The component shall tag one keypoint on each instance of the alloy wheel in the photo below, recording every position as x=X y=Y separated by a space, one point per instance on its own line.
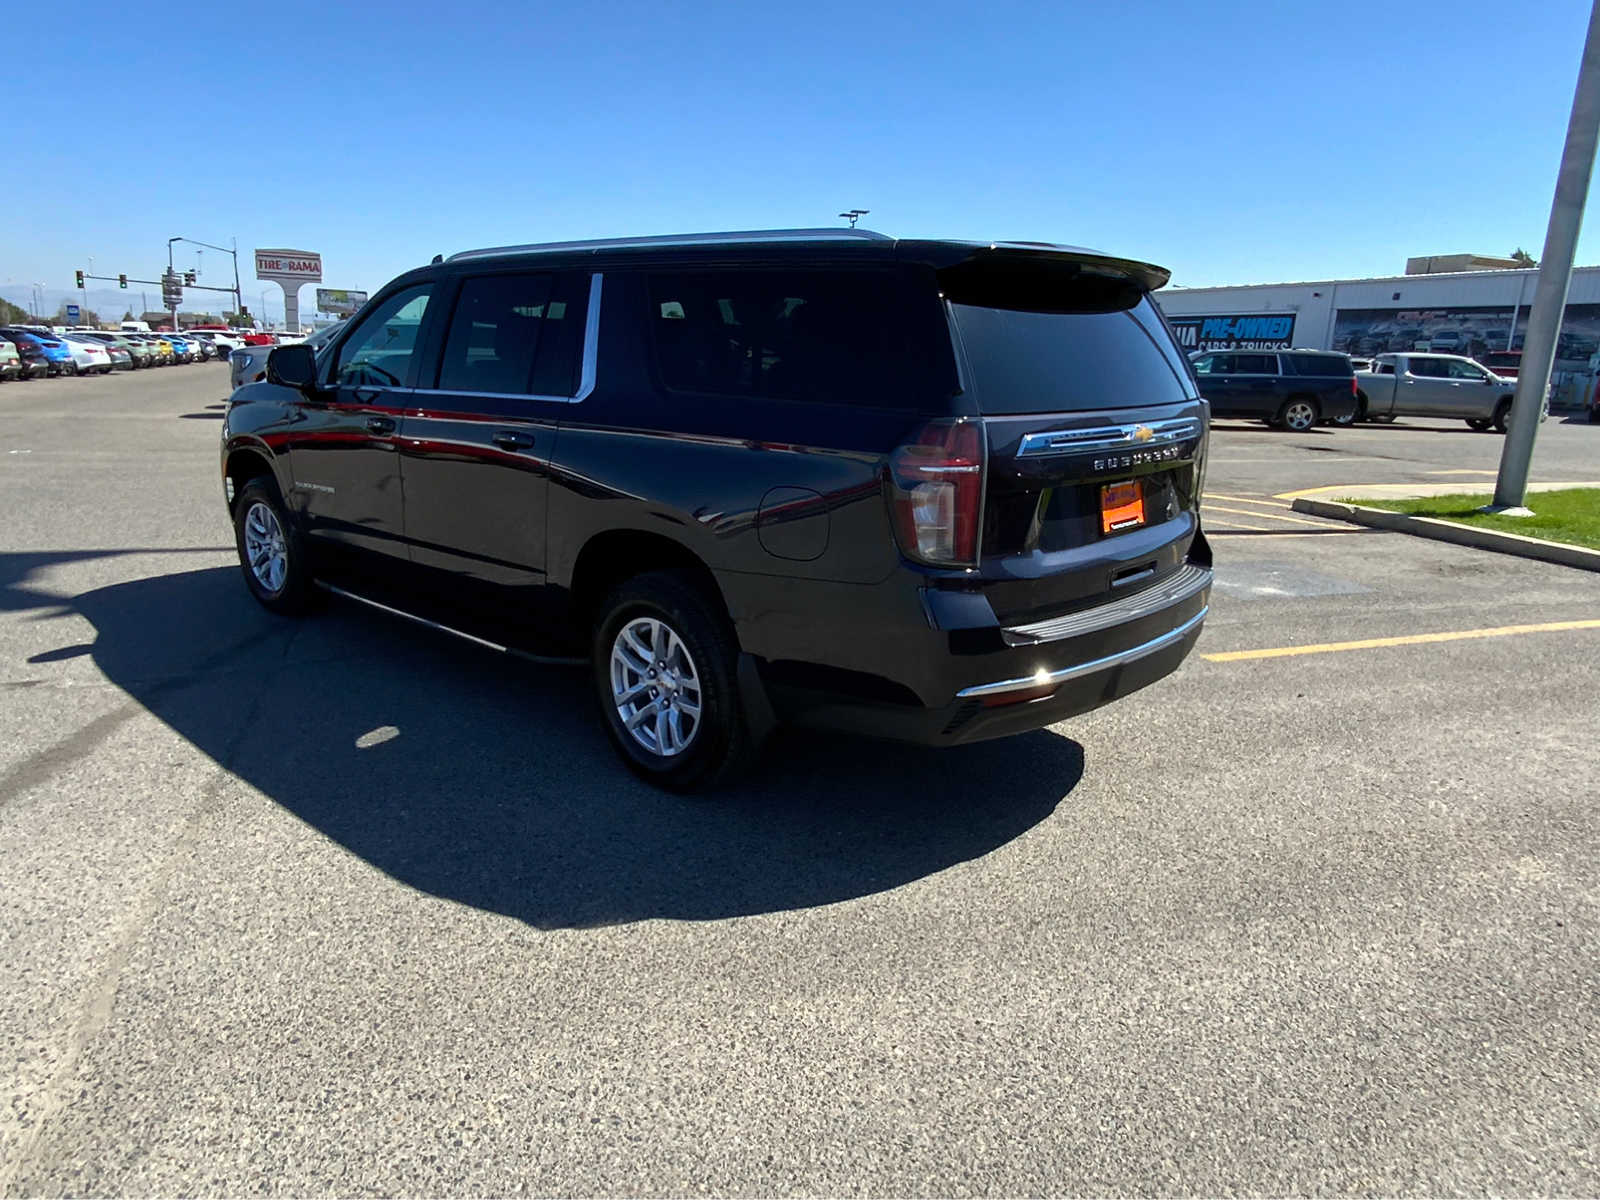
x=265 y=547
x=655 y=686
x=1299 y=415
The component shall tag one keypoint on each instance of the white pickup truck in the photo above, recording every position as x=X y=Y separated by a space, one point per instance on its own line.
x=1434 y=385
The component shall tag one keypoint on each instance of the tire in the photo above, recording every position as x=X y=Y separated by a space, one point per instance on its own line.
x=1502 y=416
x=1480 y=423
x=259 y=517
x=1298 y=414
x=1381 y=418
x=1347 y=420
x=669 y=614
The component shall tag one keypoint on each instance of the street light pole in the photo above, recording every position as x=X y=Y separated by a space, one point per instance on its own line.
x=1555 y=277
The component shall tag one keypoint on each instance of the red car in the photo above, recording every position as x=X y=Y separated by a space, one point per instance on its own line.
x=1503 y=363
x=260 y=339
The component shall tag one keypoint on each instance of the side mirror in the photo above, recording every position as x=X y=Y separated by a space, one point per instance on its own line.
x=293 y=366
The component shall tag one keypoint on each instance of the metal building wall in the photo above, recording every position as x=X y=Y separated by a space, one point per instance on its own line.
x=1316 y=304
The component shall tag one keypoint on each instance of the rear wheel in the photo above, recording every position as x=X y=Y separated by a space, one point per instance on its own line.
x=1381 y=418
x=1297 y=415
x=1502 y=416
x=666 y=674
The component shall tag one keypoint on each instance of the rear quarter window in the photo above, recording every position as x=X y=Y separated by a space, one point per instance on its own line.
x=1323 y=365
x=833 y=336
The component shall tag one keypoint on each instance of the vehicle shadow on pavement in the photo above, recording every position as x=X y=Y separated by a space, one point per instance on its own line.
x=488 y=781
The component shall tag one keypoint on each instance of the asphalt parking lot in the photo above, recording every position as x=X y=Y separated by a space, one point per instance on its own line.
x=340 y=906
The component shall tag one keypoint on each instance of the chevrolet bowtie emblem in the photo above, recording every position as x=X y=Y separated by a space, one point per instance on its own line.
x=1143 y=433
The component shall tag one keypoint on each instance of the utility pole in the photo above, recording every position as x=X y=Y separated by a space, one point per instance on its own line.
x=1555 y=277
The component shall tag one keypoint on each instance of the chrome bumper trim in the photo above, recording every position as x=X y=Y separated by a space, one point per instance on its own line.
x=1176 y=588
x=1044 y=678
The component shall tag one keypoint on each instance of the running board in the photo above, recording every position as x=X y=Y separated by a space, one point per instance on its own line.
x=549 y=660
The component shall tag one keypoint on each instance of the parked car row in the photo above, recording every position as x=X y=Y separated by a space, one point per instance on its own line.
x=32 y=351
x=1297 y=389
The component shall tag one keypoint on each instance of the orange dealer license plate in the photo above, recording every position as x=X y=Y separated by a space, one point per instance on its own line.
x=1121 y=506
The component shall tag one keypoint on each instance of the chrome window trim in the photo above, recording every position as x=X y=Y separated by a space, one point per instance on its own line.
x=590 y=361
x=1044 y=678
x=1073 y=441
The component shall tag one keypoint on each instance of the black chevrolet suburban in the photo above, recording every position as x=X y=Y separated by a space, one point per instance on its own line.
x=1288 y=389
x=937 y=491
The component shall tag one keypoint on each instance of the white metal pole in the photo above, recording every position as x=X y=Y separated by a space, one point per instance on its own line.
x=1555 y=277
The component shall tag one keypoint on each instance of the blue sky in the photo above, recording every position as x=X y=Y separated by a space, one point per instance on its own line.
x=1233 y=142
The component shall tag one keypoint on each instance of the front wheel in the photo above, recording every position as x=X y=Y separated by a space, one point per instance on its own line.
x=1502 y=416
x=270 y=551
x=1479 y=423
x=666 y=673
x=1297 y=415
x=1381 y=418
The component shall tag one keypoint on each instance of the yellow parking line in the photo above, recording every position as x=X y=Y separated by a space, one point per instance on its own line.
x=1225 y=525
x=1461 y=471
x=1245 y=512
x=1414 y=639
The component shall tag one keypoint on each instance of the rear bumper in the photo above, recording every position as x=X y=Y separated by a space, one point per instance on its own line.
x=975 y=717
x=885 y=662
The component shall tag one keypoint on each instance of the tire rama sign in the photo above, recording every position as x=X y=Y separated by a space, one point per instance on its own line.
x=294 y=266
x=289 y=269
x=1260 y=331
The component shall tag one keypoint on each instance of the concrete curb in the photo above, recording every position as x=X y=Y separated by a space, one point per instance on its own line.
x=1449 y=531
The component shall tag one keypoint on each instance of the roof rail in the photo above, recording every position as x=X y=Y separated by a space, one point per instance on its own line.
x=681 y=239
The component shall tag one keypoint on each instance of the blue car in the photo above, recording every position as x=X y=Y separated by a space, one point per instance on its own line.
x=58 y=359
x=183 y=350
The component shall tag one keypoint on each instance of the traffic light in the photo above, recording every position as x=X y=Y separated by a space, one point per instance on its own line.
x=188 y=277
x=122 y=281
x=244 y=310
x=80 y=281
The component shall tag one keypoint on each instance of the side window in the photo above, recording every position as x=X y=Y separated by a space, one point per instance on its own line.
x=378 y=354
x=1255 y=364
x=1385 y=368
x=494 y=334
x=1428 y=368
x=845 y=337
x=1465 y=370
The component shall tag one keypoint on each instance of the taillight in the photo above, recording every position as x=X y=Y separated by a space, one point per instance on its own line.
x=936 y=485
x=1355 y=388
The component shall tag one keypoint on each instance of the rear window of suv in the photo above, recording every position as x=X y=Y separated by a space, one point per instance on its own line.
x=1054 y=337
x=827 y=336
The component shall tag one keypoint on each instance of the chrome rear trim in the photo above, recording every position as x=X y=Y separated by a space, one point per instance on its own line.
x=1109 y=437
x=1043 y=678
x=1175 y=589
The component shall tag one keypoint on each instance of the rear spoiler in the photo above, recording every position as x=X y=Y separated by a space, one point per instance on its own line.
x=942 y=255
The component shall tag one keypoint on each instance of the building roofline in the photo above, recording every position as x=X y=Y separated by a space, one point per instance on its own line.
x=1228 y=287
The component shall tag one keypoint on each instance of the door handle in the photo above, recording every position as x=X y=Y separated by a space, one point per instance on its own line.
x=508 y=439
x=380 y=424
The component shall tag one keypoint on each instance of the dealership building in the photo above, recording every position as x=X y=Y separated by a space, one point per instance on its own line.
x=1471 y=312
